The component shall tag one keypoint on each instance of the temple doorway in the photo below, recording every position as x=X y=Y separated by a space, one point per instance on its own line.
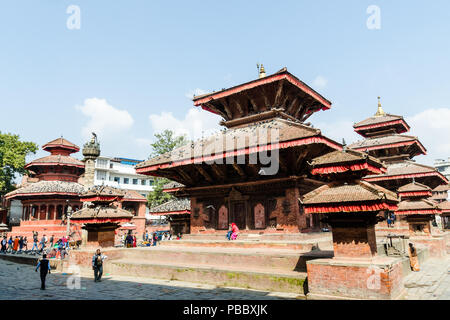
x=238 y=214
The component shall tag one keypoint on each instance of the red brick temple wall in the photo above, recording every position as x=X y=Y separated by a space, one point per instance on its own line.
x=354 y=242
x=287 y=214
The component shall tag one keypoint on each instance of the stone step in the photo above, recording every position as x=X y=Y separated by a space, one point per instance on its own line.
x=304 y=245
x=227 y=257
x=246 y=235
x=275 y=280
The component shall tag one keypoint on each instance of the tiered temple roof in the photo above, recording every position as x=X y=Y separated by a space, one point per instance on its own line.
x=47 y=188
x=175 y=206
x=102 y=210
x=281 y=90
x=199 y=164
x=399 y=174
x=59 y=165
x=348 y=194
x=413 y=196
x=384 y=139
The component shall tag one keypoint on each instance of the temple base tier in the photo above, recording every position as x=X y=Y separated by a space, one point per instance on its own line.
x=353 y=235
x=381 y=278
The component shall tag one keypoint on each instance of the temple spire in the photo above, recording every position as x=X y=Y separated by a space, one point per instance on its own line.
x=262 y=72
x=380 y=111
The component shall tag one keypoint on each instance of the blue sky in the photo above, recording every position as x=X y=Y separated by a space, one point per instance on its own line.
x=130 y=68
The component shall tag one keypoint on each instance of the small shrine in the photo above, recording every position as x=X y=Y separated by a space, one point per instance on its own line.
x=100 y=216
x=351 y=207
x=419 y=212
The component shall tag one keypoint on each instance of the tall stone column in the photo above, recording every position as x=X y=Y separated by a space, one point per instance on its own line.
x=91 y=151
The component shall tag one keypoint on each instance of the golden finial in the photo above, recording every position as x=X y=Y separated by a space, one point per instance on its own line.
x=380 y=111
x=262 y=72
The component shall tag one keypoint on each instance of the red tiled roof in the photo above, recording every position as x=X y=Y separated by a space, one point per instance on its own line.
x=61 y=143
x=377 y=120
x=47 y=188
x=358 y=191
x=59 y=160
x=386 y=142
x=422 y=206
x=217 y=146
x=414 y=186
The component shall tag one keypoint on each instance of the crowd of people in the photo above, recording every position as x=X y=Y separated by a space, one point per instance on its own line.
x=148 y=238
x=19 y=244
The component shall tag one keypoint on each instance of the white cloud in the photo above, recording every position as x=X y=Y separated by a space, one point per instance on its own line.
x=195 y=92
x=104 y=119
x=432 y=127
x=320 y=82
x=195 y=124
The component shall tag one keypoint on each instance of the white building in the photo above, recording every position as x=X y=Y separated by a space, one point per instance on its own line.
x=443 y=166
x=120 y=173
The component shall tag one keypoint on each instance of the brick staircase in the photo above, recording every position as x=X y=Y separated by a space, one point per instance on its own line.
x=47 y=227
x=271 y=269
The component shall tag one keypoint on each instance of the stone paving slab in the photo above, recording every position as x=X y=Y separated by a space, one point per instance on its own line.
x=432 y=282
x=21 y=282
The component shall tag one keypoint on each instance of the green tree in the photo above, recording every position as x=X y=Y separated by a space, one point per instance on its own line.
x=166 y=141
x=12 y=159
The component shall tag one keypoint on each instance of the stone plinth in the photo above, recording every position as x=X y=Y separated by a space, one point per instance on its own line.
x=353 y=235
x=380 y=278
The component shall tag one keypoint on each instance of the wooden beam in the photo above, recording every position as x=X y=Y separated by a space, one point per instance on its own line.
x=239 y=107
x=214 y=108
x=226 y=107
x=300 y=159
x=252 y=102
x=185 y=176
x=291 y=105
x=239 y=170
x=218 y=171
x=205 y=174
x=278 y=94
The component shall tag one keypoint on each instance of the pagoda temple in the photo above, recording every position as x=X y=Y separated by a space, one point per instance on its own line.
x=385 y=139
x=252 y=172
x=49 y=189
x=101 y=215
x=351 y=207
x=55 y=183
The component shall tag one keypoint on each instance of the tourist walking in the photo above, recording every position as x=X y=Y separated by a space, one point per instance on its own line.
x=413 y=259
x=20 y=244
x=25 y=243
x=51 y=241
x=97 y=265
x=44 y=266
x=42 y=243
x=155 y=239
x=35 y=243
x=4 y=243
x=10 y=244
x=16 y=244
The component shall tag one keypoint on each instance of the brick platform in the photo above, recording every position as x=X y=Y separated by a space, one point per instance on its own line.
x=381 y=278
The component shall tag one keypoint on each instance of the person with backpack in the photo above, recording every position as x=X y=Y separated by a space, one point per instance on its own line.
x=97 y=265
x=4 y=243
x=44 y=266
x=10 y=244
x=35 y=242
